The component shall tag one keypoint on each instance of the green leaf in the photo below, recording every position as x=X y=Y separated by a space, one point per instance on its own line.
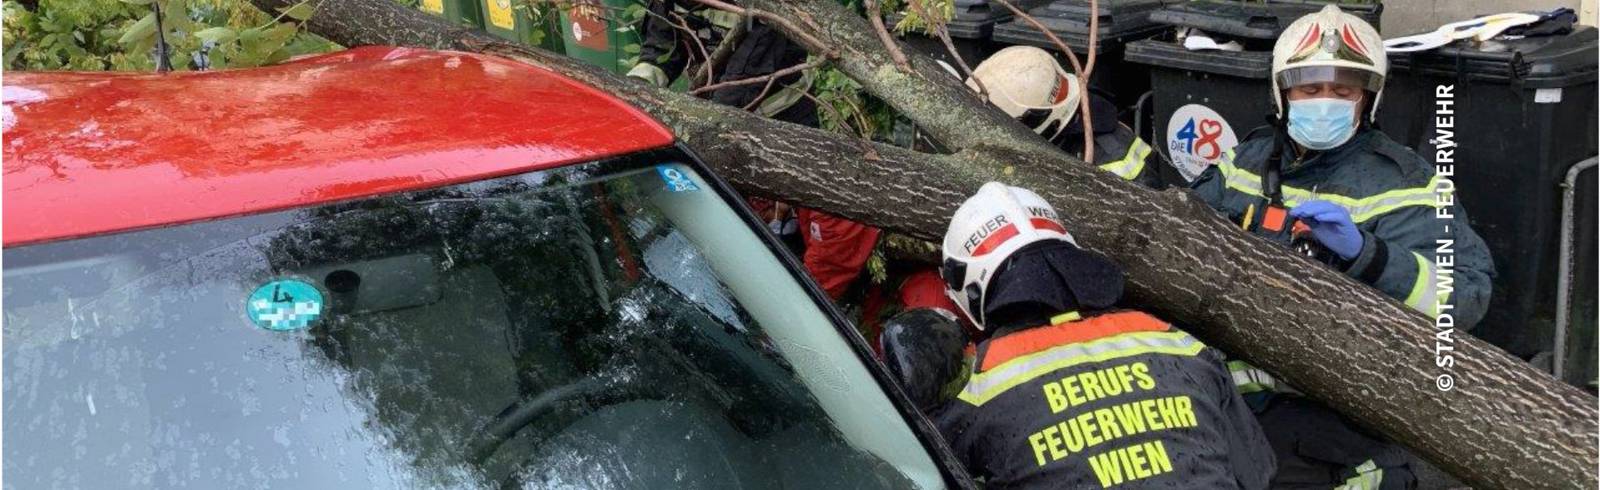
x=277 y=56
x=300 y=11
x=279 y=35
x=142 y=29
x=219 y=35
x=631 y=49
x=634 y=12
x=11 y=52
x=137 y=2
x=250 y=35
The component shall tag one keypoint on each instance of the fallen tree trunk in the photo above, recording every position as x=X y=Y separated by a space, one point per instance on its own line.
x=1504 y=425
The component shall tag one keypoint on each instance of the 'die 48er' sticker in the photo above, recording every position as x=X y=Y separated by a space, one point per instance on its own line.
x=284 y=305
x=1196 y=138
x=676 y=180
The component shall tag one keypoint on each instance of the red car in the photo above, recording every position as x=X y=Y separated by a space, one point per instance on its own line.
x=395 y=268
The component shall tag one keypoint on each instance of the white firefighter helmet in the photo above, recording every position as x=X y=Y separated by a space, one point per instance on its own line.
x=1329 y=46
x=985 y=231
x=1028 y=84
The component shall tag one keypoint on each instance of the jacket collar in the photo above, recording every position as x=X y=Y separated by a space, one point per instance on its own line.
x=1314 y=159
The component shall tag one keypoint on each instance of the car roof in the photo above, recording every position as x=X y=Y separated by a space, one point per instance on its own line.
x=94 y=153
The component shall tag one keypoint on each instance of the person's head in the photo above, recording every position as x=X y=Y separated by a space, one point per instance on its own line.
x=1028 y=84
x=1008 y=258
x=1328 y=70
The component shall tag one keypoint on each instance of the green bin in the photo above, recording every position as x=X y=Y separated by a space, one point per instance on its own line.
x=464 y=12
x=592 y=33
x=503 y=18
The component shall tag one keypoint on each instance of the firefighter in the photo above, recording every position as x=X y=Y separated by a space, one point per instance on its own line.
x=834 y=250
x=1322 y=180
x=1374 y=209
x=1068 y=393
x=1029 y=85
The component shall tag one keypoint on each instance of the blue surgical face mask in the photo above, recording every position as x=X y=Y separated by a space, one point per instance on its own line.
x=1322 y=124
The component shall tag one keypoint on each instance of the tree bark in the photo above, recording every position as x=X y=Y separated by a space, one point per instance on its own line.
x=1504 y=425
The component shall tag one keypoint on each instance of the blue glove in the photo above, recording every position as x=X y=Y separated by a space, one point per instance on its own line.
x=1331 y=226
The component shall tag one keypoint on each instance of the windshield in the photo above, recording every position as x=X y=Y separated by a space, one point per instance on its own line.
x=608 y=325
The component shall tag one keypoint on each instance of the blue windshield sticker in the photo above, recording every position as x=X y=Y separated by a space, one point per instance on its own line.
x=284 y=305
x=676 y=180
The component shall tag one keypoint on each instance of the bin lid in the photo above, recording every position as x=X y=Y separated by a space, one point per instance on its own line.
x=1166 y=54
x=1253 y=20
x=1120 y=22
x=1533 y=62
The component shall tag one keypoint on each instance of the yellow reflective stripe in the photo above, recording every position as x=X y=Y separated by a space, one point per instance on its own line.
x=719 y=18
x=1070 y=316
x=1368 y=477
x=1132 y=162
x=987 y=385
x=1361 y=209
x=651 y=74
x=1422 y=297
x=1237 y=178
x=785 y=97
x=1373 y=206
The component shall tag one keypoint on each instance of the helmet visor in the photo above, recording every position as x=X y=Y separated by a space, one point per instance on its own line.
x=1354 y=77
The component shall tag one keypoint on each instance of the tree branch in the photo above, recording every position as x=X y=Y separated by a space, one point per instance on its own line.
x=682 y=25
x=770 y=77
x=1094 y=39
x=805 y=38
x=941 y=30
x=706 y=73
x=875 y=16
x=942 y=105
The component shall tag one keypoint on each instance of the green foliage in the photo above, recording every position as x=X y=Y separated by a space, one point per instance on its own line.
x=538 y=13
x=939 y=13
x=631 y=19
x=548 y=13
x=847 y=108
x=121 y=34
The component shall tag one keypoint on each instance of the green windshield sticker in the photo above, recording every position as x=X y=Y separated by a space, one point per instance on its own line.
x=284 y=305
x=676 y=180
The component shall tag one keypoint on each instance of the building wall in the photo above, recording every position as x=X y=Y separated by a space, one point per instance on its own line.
x=1402 y=17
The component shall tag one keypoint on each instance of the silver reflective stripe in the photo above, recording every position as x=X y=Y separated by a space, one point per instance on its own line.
x=1248 y=379
x=989 y=384
x=1424 y=295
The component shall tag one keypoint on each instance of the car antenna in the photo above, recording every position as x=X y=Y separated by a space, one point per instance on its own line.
x=163 y=65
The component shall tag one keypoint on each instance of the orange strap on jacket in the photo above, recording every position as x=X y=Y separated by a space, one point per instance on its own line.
x=1037 y=339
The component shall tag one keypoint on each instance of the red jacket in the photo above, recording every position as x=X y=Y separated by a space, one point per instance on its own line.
x=837 y=249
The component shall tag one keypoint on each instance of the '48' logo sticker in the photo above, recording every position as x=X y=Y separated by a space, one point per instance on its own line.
x=1196 y=137
x=1203 y=143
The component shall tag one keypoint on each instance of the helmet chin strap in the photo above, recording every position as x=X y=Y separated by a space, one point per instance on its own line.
x=1271 y=182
